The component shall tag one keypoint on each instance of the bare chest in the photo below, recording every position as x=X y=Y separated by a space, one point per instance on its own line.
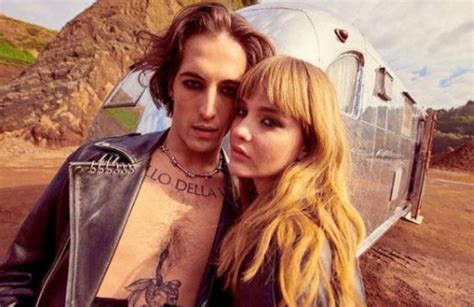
x=166 y=242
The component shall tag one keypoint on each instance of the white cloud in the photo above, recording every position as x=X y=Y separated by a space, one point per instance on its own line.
x=52 y=14
x=411 y=35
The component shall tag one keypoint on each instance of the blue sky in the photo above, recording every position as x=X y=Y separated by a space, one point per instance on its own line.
x=428 y=43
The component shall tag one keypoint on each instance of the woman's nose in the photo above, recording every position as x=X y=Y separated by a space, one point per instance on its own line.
x=240 y=129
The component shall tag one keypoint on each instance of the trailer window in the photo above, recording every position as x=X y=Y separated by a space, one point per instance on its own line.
x=128 y=91
x=129 y=108
x=407 y=121
x=384 y=84
x=346 y=75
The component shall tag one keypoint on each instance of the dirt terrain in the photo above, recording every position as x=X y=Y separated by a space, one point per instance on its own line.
x=412 y=265
x=429 y=264
x=461 y=158
x=25 y=170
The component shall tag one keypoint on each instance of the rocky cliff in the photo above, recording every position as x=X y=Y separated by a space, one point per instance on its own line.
x=56 y=99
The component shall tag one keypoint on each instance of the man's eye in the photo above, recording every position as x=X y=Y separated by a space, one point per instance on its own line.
x=241 y=112
x=192 y=84
x=229 y=91
x=270 y=122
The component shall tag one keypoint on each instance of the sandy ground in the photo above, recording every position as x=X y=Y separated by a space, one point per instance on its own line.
x=431 y=264
x=25 y=170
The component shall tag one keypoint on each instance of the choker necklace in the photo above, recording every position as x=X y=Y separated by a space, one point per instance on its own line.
x=187 y=172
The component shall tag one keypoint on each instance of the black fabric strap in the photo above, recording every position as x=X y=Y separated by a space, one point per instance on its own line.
x=108 y=302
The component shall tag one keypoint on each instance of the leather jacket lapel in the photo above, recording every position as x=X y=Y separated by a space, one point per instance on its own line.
x=102 y=194
x=100 y=203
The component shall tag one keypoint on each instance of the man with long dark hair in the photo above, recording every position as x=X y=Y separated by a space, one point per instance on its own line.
x=137 y=220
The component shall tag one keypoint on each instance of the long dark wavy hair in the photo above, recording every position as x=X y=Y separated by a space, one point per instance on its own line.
x=164 y=53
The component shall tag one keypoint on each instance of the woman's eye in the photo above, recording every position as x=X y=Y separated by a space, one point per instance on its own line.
x=229 y=91
x=239 y=111
x=270 y=122
x=192 y=84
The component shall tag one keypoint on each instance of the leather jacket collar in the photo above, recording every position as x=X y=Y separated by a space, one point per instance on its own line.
x=134 y=149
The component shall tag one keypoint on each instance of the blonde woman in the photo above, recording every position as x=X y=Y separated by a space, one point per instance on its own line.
x=296 y=239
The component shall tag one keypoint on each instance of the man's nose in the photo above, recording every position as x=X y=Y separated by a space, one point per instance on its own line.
x=208 y=107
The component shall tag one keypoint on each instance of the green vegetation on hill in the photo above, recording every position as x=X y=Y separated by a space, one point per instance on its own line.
x=442 y=141
x=21 y=42
x=460 y=120
x=10 y=54
x=454 y=127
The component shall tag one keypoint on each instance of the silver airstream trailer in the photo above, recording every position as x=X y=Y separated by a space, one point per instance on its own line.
x=386 y=128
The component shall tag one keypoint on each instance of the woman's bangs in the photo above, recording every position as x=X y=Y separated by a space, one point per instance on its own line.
x=285 y=89
x=282 y=81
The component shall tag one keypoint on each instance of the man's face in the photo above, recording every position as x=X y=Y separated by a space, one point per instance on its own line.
x=204 y=91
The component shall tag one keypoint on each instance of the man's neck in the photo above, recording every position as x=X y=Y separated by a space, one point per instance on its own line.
x=194 y=161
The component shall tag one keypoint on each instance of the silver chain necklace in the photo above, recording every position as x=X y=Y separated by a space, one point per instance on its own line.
x=187 y=172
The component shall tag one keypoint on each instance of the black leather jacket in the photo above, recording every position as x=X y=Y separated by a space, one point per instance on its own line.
x=63 y=249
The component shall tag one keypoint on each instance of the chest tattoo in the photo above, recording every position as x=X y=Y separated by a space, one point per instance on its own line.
x=183 y=186
x=155 y=292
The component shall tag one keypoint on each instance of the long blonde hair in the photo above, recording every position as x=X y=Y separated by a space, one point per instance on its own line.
x=309 y=205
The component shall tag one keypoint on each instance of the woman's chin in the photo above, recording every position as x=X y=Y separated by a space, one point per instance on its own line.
x=238 y=171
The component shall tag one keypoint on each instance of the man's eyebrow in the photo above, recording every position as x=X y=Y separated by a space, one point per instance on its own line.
x=191 y=74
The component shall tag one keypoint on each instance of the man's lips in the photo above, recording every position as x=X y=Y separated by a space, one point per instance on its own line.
x=238 y=152
x=205 y=131
x=206 y=128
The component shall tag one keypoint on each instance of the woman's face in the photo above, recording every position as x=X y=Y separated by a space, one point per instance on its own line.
x=264 y=141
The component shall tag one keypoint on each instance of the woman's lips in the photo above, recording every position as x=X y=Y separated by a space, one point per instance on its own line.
x=238 y=153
